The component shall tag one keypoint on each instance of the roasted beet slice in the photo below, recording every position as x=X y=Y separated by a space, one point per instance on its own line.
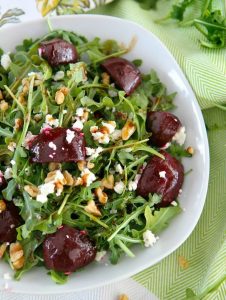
x=58 y=52
x=67 y=250
x=123 y=73
x=9 y=221
x=163 y=177
x=163 y=126
x=58 y=145
x=3 y=182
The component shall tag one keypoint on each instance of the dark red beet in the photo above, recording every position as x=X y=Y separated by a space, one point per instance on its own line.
x=67 y=250
x=3 y=182
x=151 y=180
x=163 y=126
x=123 y=72
x=52 y=145
x=9 y=221
x=58 y=52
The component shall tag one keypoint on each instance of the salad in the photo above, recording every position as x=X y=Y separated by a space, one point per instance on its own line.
x=90 y=154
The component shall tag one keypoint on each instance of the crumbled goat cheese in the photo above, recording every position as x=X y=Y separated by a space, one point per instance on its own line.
x=149 y=238
x=50 y=120
x=12 y=146
x=119 y=187
x=58 y=76
x=162 y=174
x=174 y=203
x=128 y=149
x=52 y=146
x=113 y=211
x=64 y=112
x=12 y=162
x=167 y=145
x=8 y=173
x=110 y=126
x=132 y=186
x=98 y=150
x=180 y=136
x=80 y=112
x=90 y=151
x=116 y=135
x=100 y=255
x=5 y=61
x=87 y=176
x=78 y=125
x=45 y=189
x=38 y=75
x=28 y=138
x=119 y=169
x=70 y=136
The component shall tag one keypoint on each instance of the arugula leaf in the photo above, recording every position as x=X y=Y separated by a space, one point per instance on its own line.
x=147 y=4
x=9 y=191
x=160 y=219
x=58 y=277
x=178 y=151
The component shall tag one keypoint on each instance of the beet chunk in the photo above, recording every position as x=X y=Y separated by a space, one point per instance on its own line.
x=9 y=221
x=163 y=126
x=3 y=182
x=58 y=52
x=67 y=250
x=123 y=72
x=58 y=145
x=163 y=177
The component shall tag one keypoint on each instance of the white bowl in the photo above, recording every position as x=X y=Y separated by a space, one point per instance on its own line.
x=156 y=56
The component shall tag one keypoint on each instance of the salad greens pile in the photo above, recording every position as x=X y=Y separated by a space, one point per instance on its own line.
x=28 y=88
x=211 y=22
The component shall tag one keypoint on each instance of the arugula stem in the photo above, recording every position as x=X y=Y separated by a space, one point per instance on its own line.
x=126 y=222
x=124 y=247
x=63 y=204
x=16 y=83
x=137 y=162
x=119 y=53
x=15 y=99
x=128 y=239
x=94 y=85
x=124 y=146
x=209 y=24
x=93 y=218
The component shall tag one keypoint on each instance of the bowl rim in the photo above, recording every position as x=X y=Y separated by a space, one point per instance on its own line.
x=141 y=267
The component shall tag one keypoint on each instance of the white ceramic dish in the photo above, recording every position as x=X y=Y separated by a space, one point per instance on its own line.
x=156 y=56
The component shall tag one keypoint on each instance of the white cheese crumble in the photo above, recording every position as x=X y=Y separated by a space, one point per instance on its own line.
x=110 y=126
x=167 y=145
x=174 y=203
x=162 y=174
x=180 y=136
x=116 y=135
x=70 y=135
x=149 y=238
x=52 y=146
x=8 y=173
x=78 y=125
x=12 y=162
x=88 y=177
x=118 y=168
x=50 y=120
x=5 y=61
x=45 y=189
x=119 y=187
x=100 y=255
x=90 y=151
x=132 y=186
x=79 y=111
x=12 y=146
x=38 y=75
x=29 y=137
x=58 y=76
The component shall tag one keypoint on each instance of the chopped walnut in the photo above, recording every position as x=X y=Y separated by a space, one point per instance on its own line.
x=59 y=97
x=190 y=150
x=2 y=206
x=68 y=177
x=105 y=78
x=92 y=209
x=54 y=166
x=4 y=105
x=32 y=190
x=81 y=165
x=18 y=124
x=128 y=130
x=123 y=297
x=3 y=248
x=102 y=196
x=108 y=182
x=78 y=181
x=16 y=254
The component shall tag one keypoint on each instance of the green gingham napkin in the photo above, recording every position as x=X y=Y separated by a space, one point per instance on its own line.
x=200 y=263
